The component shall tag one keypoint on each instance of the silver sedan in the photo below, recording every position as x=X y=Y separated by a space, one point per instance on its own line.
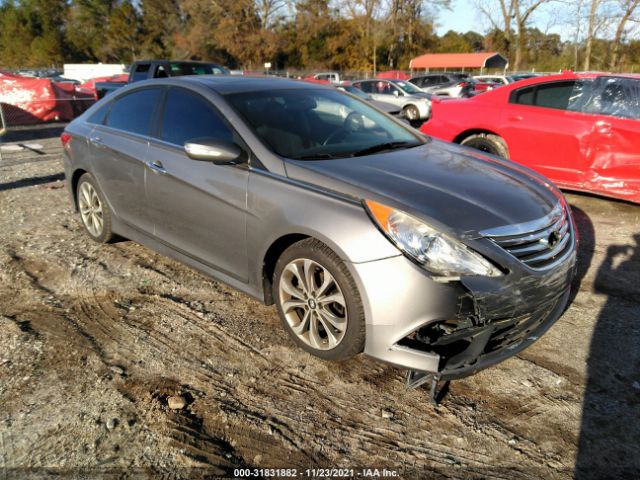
x=367 y=235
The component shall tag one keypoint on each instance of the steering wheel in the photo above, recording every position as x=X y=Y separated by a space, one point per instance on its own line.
x=353 y=123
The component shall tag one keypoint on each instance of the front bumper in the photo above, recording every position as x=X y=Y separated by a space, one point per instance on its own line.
x=460 y=327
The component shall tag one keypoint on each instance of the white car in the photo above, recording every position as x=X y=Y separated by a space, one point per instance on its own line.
x=332 y=77
x=501 y=79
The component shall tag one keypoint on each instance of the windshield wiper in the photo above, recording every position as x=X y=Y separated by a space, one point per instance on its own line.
x=384 y=146
x=315 y=156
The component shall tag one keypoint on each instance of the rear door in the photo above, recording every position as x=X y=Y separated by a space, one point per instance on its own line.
x=615 y=163
x=119 y=144
x=198 y=208
x=545 y=130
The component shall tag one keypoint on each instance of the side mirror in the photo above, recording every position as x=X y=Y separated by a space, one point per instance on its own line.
x=218 y=152
x=396 y=93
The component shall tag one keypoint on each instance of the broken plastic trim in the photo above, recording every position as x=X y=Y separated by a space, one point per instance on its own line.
x=415 y=379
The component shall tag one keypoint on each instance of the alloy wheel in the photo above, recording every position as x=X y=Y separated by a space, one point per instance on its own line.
x=91 y=209
x=313 y=304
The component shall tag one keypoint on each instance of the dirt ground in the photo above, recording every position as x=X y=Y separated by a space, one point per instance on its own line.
x=94 y=340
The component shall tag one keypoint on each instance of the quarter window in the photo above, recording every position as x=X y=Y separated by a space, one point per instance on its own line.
x=524 y=96
x=99 y=115
x=133 y=112
x=187 y=116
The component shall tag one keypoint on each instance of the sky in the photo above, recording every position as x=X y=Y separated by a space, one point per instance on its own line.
x=462 y=17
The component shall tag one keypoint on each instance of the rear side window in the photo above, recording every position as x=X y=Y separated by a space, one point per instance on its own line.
x=134 y=112
x=427 y=81
x=566 y=95
x=420 y=81
x=141 y=72
x=618 y=97
x=367 y=87
x=555 y=95
x=187 y=116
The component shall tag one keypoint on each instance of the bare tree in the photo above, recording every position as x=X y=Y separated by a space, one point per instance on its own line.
x=591 y=30
x=627 y=10
x=523 y=10
x=504 y=13
x=268 y=9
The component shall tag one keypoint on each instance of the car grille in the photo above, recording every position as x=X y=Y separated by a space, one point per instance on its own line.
x=541 y=248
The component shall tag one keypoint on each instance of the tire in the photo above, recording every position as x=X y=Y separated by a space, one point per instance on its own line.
x=488 y=143
x=411 y=113
x=94 y=211
x=340 y=337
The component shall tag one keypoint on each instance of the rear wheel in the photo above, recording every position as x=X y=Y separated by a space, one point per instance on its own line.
x=94 y=211
x=487 y=142
x=318 y=301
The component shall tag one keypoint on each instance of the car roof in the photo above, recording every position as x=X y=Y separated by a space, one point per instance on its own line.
x=226 y=84
x=569 y=75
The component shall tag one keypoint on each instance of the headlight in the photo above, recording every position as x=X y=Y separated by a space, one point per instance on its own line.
x=435 y=251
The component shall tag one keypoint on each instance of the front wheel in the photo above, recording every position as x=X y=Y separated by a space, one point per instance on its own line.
x=487 y=142
x=411 y=113
x=318 y=301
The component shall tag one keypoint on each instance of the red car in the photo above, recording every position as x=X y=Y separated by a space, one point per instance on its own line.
x=580 y=130
x=481 y=87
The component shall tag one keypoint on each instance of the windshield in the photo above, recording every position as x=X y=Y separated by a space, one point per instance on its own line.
x=320 y=124
x=408 y=87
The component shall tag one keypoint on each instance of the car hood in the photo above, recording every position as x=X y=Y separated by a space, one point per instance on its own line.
x=451 y=187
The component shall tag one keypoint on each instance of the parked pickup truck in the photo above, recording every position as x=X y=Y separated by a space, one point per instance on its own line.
x=147 y=69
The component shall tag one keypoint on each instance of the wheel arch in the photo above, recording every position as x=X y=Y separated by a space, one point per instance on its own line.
x=75 y=178
x=271 y=256
x=474 y=131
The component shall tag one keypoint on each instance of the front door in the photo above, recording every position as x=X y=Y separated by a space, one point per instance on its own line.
x=198 y=208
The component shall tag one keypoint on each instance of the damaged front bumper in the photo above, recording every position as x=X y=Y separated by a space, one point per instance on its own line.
x=454 y=329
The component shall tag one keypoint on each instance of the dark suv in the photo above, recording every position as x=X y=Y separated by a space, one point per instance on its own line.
x=447 y=84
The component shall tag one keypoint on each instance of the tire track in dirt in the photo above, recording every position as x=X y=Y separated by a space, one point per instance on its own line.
x=113 y=333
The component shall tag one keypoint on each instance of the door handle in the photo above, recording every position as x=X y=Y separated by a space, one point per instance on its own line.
x=156 y=166
x=516 y=118
x=96 y=142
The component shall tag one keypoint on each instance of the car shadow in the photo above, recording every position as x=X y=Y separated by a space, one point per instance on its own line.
x=33 y=132
x=609 y=442
x=586 y=246
x=31 y=181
